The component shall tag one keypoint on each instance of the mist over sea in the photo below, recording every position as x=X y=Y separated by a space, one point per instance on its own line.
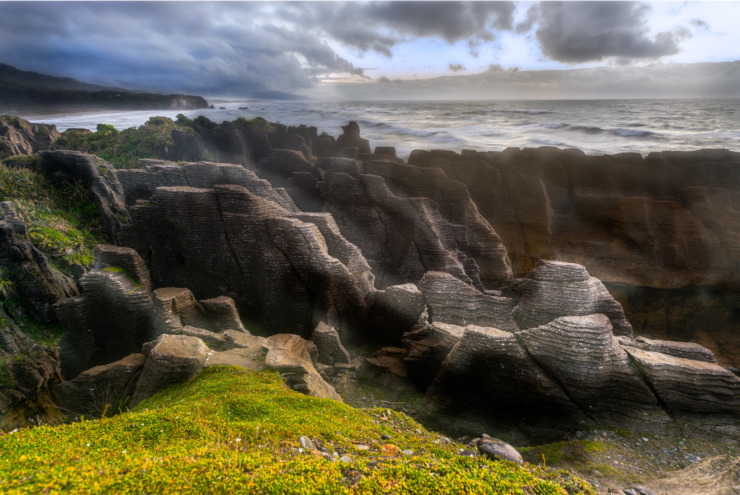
x=595 y=126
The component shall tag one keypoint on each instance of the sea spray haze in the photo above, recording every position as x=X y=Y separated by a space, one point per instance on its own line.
x=595 y=126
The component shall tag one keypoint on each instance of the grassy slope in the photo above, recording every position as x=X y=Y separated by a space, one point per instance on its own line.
x=236 y=431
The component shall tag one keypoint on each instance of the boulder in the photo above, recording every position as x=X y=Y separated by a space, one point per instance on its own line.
x=489 y=380
x=173 y=359
x=294 y=358
x=581 y=353
x=395 y=311
x=101 y=389
x=222 y=313
x=687 y=387
x=350 y=138
x=20 y=137
x=175 y=308
x=554 y=289
x=498 y=450
x=330 y=348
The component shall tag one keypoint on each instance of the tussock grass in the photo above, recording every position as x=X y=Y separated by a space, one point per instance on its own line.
x=61 y=221
x=236 y=431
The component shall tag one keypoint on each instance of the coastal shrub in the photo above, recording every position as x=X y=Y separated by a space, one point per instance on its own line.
x=123 y=149
x=232 y=430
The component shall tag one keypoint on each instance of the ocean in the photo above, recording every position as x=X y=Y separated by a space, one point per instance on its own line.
x=595 y=126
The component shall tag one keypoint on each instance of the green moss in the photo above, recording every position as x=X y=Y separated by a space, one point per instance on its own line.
x=118 y=269
x=61 y=221
x=6 y=380
x=44 y=333
x=235 y=431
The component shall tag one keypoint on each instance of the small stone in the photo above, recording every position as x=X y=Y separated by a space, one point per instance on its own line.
x=346 y=459
x=408 y=452
x=385 y=437
x=389 y=450
x=306 y=443
x=580 y=435
x=498 y=450
x=469 y=453
x=361 y=446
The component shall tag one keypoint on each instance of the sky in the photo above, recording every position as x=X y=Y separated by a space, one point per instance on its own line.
x=383 y=50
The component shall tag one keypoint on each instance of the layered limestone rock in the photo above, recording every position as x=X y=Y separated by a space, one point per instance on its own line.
x=402 y=238
x=172 y=359
x=554 y=289
x=489 y=378
x=660 y=231
x=705 y=394
x=329 y=347
x=28 y=373
x=395 y=311
x=229 y=241
x=111 y=319
x=35 y=282
x=101 y=389
x=295 y=359
x=581 y=353
x=95 y=175
x=20 y=137
x=140 y=183
x=451 y=301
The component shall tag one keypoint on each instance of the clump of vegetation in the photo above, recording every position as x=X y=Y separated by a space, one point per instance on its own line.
x=232 y=430
x=6 y=380
x=123 y=148
x=257 y=124
x=61 y=221
x=42 y=332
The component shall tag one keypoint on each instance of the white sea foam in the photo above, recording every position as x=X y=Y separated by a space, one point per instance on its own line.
x=597 y=127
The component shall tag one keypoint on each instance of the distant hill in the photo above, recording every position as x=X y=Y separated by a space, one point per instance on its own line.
x=22 y=91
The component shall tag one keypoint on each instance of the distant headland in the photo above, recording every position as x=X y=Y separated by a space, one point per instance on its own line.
x=22 y=91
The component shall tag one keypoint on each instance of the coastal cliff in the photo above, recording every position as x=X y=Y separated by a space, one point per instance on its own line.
x=468 y=274
x=22 y=91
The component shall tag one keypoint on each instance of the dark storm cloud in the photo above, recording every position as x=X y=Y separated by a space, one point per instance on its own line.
x=217 y=48
x=379 y=26
x=226 y=48
x=589 y=31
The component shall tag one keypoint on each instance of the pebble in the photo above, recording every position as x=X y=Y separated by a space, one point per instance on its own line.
x=306 y=442
x=346 y=459
x=385 y=437
x=362 y=446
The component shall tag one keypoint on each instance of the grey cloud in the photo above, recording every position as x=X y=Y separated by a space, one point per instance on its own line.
x=720 y=80
x=525 y=26
x=588 y=31
x=452 y=21
x=457 y=67
x=211 y=48
x=700 y=25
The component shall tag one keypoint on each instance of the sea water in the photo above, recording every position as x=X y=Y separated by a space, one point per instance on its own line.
x=594 y=126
